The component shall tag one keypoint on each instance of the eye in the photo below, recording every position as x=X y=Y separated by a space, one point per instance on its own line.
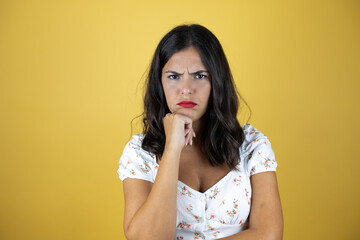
x=201 y=76
x=173 y=76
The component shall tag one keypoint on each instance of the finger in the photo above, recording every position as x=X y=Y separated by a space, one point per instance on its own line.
x=187 y=139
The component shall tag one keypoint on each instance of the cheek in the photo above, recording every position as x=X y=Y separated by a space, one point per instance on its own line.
x=205 y=90
x=170 y=91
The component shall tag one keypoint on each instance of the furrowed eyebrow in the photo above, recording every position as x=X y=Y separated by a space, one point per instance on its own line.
x=194 y=73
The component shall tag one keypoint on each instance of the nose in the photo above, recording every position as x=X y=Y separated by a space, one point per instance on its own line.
x=187 y=86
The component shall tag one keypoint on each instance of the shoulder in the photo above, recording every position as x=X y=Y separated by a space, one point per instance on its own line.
x=135 y=145
x=256 y=152
x=135 y=162
x=252 y=136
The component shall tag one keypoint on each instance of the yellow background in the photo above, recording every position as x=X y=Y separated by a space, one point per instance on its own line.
x=72 y=79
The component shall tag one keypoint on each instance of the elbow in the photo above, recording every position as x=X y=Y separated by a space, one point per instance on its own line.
x=269 y=233
x=141 y=234
x=275 y=233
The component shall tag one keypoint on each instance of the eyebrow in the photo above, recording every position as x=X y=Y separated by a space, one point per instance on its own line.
x=194 y=73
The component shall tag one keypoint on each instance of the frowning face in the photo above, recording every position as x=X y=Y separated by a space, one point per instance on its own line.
x=186 y=84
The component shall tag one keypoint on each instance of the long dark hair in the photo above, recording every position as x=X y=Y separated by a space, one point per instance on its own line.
x=222 y=135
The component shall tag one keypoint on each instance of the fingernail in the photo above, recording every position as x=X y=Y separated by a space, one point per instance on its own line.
x=191 y=141
x=194 y=134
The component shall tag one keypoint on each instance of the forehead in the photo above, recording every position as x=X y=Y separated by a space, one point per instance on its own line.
x=187 y=58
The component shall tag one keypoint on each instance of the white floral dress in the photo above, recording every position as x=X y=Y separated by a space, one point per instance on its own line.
x=224 y=208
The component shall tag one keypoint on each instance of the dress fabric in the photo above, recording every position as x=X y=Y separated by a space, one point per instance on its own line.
x=223 y=209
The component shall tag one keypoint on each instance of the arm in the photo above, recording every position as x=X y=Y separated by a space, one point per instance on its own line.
x=150 y=209
x=265 y=220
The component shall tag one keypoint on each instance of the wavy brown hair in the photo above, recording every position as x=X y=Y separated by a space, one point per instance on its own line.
x=222 y=134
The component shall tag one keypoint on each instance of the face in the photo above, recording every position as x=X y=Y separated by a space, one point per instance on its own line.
x=185 y=78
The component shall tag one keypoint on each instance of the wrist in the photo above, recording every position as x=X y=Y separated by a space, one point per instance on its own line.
x=175 y=151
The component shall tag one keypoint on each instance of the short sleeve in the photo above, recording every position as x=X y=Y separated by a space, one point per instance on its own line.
x=136 y=162
x=259 y=155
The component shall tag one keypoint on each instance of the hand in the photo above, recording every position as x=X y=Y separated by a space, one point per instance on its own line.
x=178 y=130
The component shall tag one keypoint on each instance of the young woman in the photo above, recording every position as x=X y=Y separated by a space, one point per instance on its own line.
x=194 y=172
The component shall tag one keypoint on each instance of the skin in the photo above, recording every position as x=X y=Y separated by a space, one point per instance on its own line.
x=150 y=208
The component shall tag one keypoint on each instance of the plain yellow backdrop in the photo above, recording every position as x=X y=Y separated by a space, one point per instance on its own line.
x=71 y=80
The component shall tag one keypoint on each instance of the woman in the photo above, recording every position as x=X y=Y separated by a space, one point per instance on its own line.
x=195 y=173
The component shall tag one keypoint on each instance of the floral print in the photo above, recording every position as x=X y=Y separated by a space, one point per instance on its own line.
x=198 y=236
x=241 y=223
x=237 y=180
x=214 y=193
x=234 y=210
x=190 y=208
x=182 y=225
x=247 y=196
x=145 y=167
x=224 y=208
x=197 y=218
x=185 y=191
x=252 y=171
x=215 y=235
x=268 y=161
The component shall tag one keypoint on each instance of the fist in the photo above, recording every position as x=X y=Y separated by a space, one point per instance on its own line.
x=178 y=130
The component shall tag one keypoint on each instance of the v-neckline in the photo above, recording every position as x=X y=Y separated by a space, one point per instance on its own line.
x=217 y=184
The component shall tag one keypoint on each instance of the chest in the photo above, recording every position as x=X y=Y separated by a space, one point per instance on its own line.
x=223 y=209
x=196 y=172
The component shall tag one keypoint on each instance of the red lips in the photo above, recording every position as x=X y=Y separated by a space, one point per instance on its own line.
x=187 y=104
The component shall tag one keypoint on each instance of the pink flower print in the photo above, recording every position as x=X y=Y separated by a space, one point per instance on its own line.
x=237 y=180
x=241 y=223
x=179 y=238
x=185 y=191
x=190 y=208
x=140 y=139
x=222 y=202
x=145 y=168
x=253 y=131
x=132 y=172
x=156 y=167
x=214 y=192
x=215 y=235
x=182 y=225
x=222 y=221
x=212 y=216
x=268 y=161
x=259 y=153
x=247 y=196
x=198 y=236
x=252 y=171
x=210 y=227
x=255 y=140
x=234 y=210
x=197 y=218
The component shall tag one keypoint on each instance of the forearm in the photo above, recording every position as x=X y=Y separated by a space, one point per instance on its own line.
x=254 y=234
x=156 y=219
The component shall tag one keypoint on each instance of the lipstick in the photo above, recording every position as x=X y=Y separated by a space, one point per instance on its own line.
x=187 y=104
